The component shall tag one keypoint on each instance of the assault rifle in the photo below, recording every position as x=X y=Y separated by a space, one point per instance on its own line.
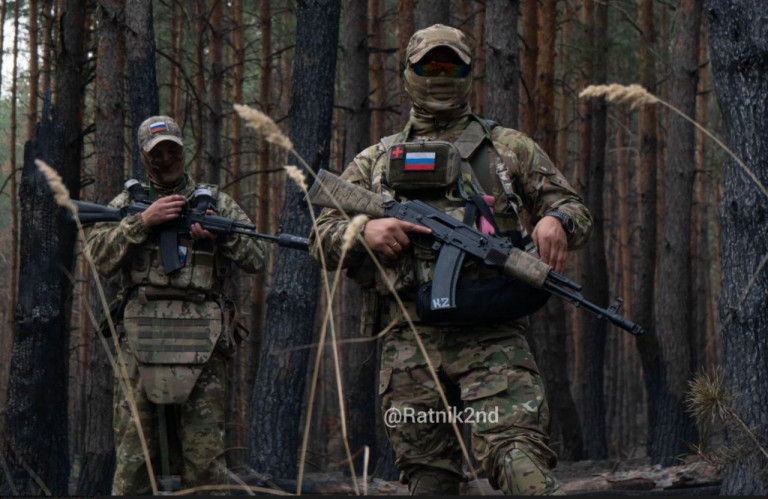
x=91 y=213
x=454 y=240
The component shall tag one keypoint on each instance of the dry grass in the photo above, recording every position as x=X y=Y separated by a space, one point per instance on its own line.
x=712 y=406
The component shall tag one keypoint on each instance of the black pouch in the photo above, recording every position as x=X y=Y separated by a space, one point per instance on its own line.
x=495 y=300
x=116 y=309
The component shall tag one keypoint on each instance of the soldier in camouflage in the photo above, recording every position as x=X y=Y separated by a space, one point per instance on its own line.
x=173 y=333
x=489 y=367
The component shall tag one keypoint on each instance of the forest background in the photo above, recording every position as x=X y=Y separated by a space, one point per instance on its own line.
x=677 y=219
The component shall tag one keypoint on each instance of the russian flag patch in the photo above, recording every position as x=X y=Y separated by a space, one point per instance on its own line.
x=419 y=161
x=160 y=126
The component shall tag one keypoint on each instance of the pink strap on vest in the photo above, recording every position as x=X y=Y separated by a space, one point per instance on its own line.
x=483 y=224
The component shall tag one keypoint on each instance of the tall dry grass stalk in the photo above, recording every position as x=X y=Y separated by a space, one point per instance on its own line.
x=264 y=125
x=62 y=198
x=261 y=122
x=636 y=95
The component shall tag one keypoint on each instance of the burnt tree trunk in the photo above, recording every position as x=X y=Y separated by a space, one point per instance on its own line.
x=674 y=428
x=142 y=78
x=35 y=433
x=280 y=382
x=429 y=12
x=502 y=68
x=644 y=240
x=594 y=264
x=737 y=31
x=360 y=362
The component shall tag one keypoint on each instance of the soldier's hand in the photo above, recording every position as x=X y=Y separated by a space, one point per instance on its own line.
x=196 y=231
x=163 y=210
x=389 y=236
x=552 y=241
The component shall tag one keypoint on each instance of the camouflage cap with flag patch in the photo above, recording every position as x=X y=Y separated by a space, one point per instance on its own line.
x=437 y=35
x=157 y=129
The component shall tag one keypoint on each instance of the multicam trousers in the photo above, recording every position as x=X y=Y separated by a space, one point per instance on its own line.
x=199 y=424
x=492 y=371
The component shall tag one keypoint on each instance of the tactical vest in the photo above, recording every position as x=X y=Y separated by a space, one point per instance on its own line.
x=202 y=275
x=450 y=177
x=445 y=177
x=172 y=322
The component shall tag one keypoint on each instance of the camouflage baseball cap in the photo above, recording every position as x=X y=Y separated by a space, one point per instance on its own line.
x=157 y=129
x=437 y=35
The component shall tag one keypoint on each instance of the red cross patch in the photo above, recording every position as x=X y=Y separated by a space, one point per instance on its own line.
x=397 y=153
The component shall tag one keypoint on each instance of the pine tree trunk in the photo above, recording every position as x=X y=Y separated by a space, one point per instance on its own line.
x=99 y=456
x=142 y=79
x=378 y=82
x=595 y=270
x=45 y=82
x=360 y=362
x=405 y=28
x=741 y=84
x=429 y=12
x=675 y=429
x=528 y=74
x=34 y=72
x=502 y=98
x=280 y=382
x=35 y=435
x=216 y=118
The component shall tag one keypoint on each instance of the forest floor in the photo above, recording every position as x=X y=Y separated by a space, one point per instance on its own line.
x=608 y=477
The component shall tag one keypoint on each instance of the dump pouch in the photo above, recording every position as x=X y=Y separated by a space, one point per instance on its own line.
x=487 y=301
x=422 y=165
x=171 y=340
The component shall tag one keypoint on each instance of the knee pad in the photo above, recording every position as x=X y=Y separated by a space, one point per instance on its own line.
x=520 y=472
x=433 y=481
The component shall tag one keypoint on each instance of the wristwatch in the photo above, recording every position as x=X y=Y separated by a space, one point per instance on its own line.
x=565 y=221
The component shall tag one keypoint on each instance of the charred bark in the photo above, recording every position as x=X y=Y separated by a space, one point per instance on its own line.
x=35 y=433
x=502 y=68
x=142 y=78
x=277 y=395
x=740 y=62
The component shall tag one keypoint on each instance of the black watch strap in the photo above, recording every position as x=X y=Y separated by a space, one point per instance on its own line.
x=565 y=221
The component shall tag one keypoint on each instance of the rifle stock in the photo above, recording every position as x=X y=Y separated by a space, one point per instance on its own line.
x=334 y=192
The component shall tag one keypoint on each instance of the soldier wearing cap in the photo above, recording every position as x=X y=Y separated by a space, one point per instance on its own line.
x=500 y=180
x=174 y=327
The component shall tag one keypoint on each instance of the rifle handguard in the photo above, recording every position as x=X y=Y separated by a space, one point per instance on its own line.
x=527 y=268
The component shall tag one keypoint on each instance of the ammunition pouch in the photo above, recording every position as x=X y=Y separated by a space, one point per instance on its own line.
x=422 y=165
x=493 y=300
x=171 y=339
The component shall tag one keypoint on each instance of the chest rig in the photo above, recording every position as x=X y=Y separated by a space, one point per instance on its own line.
x=470 y=181
x=172 y=320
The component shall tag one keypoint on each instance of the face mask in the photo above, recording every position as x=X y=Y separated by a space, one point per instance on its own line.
x=441 y=96
x=164 y=172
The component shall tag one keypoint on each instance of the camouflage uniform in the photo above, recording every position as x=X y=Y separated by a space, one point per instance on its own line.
x=185 y=326
x=487 y=366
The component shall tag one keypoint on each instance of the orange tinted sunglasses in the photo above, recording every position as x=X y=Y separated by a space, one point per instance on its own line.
x=441 y=68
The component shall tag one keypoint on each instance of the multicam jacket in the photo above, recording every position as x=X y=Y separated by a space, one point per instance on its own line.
x=536 y=185
x=130 y=247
